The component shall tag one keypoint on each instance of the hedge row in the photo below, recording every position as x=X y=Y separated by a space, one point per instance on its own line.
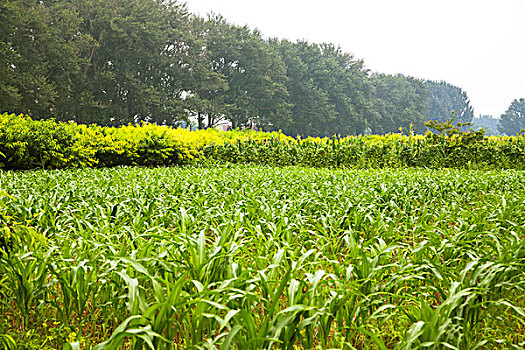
x=358 y=152
x=47 y=144
x=29 y=144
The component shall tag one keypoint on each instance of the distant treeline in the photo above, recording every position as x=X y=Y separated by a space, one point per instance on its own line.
x=114 y=62
x=488 y=123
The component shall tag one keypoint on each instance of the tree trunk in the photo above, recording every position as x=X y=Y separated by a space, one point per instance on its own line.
x=200 y=120
x=210 y=121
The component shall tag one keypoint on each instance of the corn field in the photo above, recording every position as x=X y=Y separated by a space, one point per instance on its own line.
x=259 y=257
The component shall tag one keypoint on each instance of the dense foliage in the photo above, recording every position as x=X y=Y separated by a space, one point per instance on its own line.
x=445 y=98
x=513 y=120
x=401 y=102
x=29 y=144
x=261 y=257
x=115 y=62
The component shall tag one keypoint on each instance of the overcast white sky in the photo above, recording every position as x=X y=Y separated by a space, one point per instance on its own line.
x=476 y=45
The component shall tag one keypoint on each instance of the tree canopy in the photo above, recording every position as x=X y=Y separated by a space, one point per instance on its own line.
x=400 y=102
x=445 y=99
x=513 y=120
x=114 y=62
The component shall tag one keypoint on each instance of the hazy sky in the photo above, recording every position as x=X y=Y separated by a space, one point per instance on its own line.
x=476 y=45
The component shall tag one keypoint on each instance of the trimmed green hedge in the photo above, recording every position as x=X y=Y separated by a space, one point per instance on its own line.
x=358 y=153
x=29 y=144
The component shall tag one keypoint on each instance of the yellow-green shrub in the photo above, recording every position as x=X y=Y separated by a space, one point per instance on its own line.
x=27 y=144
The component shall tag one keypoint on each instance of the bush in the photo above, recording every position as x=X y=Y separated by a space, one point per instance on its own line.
x=28 y=144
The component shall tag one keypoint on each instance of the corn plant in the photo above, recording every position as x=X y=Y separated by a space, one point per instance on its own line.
x=262 y=257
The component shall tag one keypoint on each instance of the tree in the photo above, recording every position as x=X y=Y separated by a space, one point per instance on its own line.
x=329 y=91
x=446 y=98
x=94 y=61
x=400 y=101
x=254 y=74
x=204 y=87
x=513 y=120
x=40 y=50
x=114 y=62
x=311 y=109
x=129 y=76
x=350 y=90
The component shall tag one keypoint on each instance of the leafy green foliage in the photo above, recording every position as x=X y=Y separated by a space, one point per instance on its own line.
x=117 y=62
x=28 y=43
x=401 y=102
x=329 y=91
x=451 y=149
x=446 y=99
x=254 y=74
x=512 y=121
x=448 y=131
x=14 y=236
x=260 y=257
x=29 y=144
